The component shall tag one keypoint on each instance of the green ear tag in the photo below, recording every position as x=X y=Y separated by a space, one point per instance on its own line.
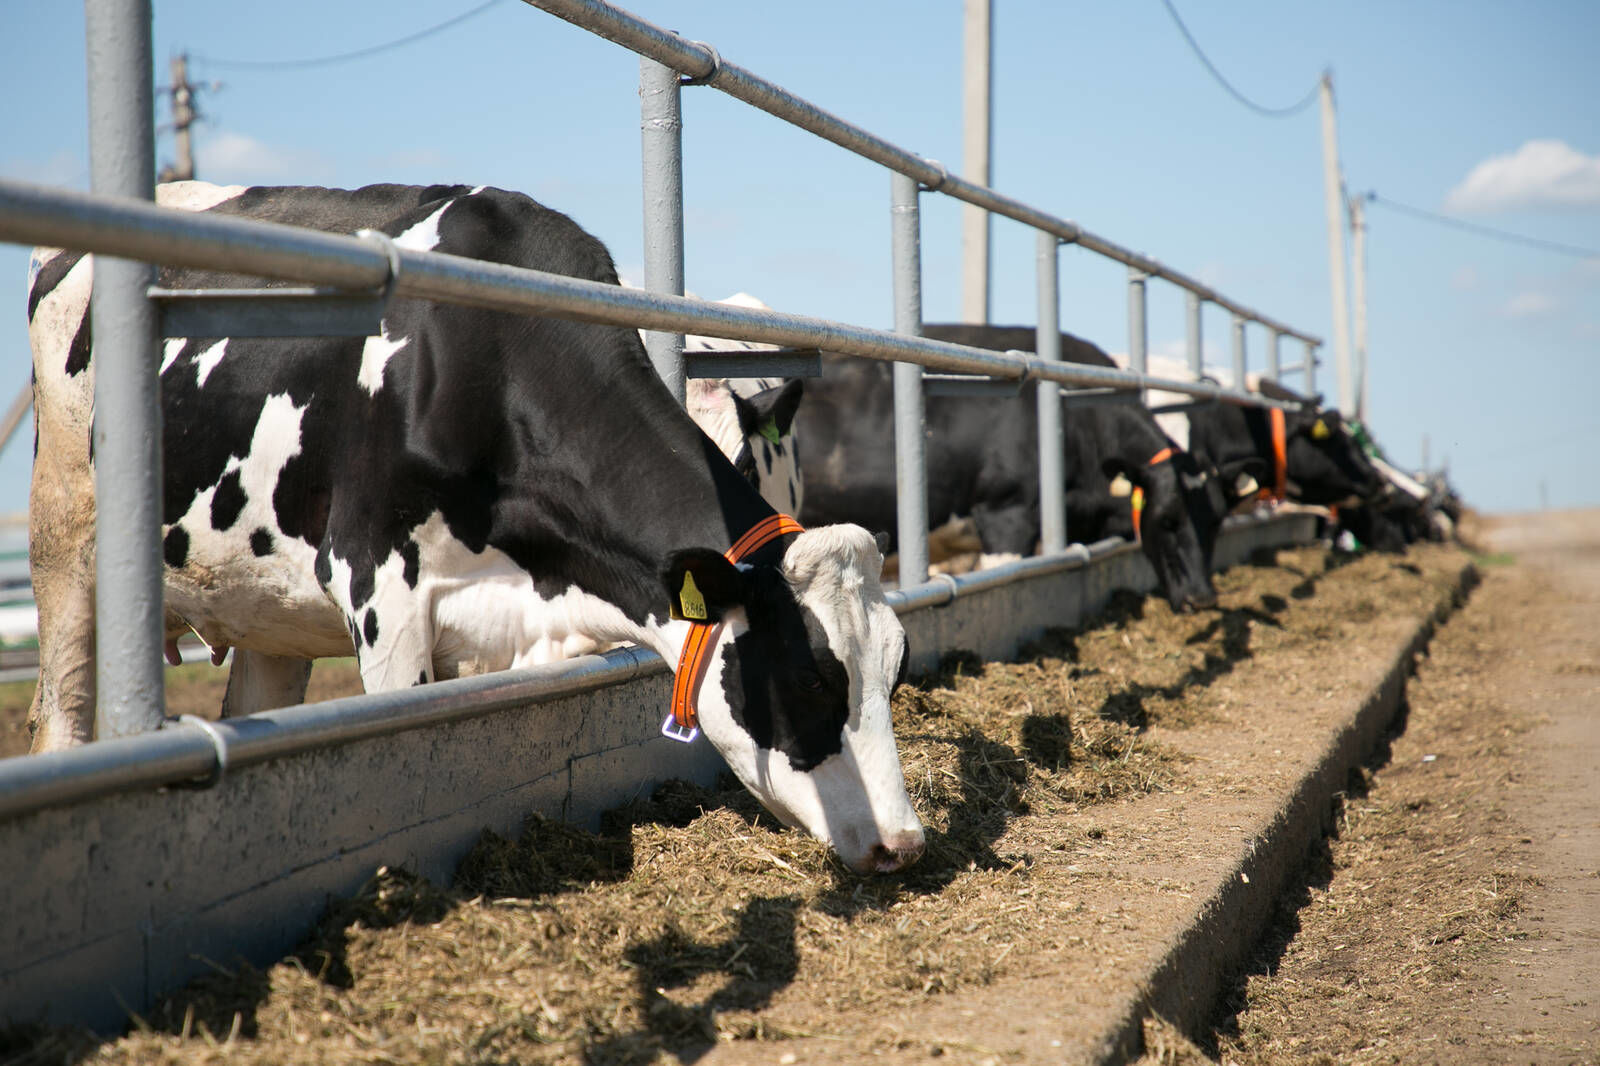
x=690 y=603
x=769 y=430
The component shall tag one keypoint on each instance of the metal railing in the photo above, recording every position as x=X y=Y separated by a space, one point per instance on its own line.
x=129 y=229
x=665 y=57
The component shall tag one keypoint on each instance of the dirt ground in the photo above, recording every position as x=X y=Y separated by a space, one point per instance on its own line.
x=1456 y=916
x=1078 y=802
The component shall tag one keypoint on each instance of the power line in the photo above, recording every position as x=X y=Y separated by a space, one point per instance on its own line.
x=360 y=53
x=1269 y=112
x=1485 y=231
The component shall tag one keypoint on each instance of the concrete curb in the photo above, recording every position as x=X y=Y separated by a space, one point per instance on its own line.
x=1229 y=918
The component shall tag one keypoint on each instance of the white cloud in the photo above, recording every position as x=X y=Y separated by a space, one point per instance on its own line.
x=227 y=158
x=1542 y=173
x=1529 y=304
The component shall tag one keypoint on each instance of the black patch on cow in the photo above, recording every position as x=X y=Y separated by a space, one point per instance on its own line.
x=50 y=275
x=369 y=627
x=78 y=354
x=175 y=547
x=783 y=683
x=766 y=456
x=227 y=501
x=422 y=679
x=261 y=543
x=323 y=567
x=410 y=554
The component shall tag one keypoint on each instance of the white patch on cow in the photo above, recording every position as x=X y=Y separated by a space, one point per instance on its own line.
x=375 y=355
x=424 y=235
x=207 y=361
x=1120 y=486
x=477 y=190
x=231 y=596
x=170 y=350
x=195 y=195
x=473 y=613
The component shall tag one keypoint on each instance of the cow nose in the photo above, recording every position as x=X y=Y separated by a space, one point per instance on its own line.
x=1202 y=601
x=896 y=852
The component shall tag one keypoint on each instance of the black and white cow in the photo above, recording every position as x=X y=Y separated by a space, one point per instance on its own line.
x=466 y=492
x=982 y=456
x=1310 y=457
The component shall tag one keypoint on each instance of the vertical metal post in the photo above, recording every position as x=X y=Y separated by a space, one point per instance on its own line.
x=1052 y=470
x=977 y=85
x=1333 y=191
x=1274 y=371
x=1138 y=330
x=1196 y=359
x=1358 y=278
x=1238 y=353
x=127 y=393
x=661 y=132
x=910 y=454
x=1310 y=374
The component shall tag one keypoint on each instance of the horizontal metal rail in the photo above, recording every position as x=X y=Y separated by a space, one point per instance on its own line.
x=704 y=65
x=186 y=752
x=129 y=229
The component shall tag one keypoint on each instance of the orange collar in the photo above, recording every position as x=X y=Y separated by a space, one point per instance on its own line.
x=1136 y=500
x=1280 y=455
x=682 y=723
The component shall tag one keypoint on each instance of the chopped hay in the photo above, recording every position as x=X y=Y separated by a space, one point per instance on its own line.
x=694 y=919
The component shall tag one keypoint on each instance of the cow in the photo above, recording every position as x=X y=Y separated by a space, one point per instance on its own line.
x=751 y=419
x=1307 y=455
x=469 y=491
x=982 y=458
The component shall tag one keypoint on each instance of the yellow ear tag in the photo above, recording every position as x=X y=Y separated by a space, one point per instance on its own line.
x=690 y=603
x=1320 y=430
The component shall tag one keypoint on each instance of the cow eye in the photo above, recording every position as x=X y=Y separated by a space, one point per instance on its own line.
x=810 y=680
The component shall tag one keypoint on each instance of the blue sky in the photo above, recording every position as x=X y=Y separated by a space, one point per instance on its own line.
x=1101 y=115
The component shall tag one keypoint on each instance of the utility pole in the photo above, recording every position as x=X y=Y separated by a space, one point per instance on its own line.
x=181 y=94
x=1358 y=277
x=1333 y=188
x=977 y=142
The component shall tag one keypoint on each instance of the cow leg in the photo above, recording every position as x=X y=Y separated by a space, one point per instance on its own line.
x=261 y=682
x=61 y=520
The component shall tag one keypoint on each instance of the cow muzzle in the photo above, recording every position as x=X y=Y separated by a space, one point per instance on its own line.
x=895 y=852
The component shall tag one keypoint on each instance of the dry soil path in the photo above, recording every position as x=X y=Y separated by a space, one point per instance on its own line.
x=1456 y=918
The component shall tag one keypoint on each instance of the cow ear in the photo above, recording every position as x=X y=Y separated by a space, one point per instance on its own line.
x=881 y=539
x=701 y=584
x=770 y=412
x=1245 y=476
x=1114 y=468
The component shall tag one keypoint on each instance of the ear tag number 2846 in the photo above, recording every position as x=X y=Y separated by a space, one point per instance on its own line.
x=691 y=604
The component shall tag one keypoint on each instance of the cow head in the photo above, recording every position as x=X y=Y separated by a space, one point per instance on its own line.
x=1177 y=525
x=796 y=696
x=1325 y=463
x=751 y=421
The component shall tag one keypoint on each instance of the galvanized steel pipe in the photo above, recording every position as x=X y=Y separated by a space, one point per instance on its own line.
x=661 y=133
x=1273 y=370
x=910 y=440
x=706 y=66
x=127 y=421
x=1238 y=353
x=40 y=215
x=1197 y=364
x=1052 y=472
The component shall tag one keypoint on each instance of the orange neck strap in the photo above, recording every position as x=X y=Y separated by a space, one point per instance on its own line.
x=682 y=724
x=1280 y=454
x=1136 y=500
